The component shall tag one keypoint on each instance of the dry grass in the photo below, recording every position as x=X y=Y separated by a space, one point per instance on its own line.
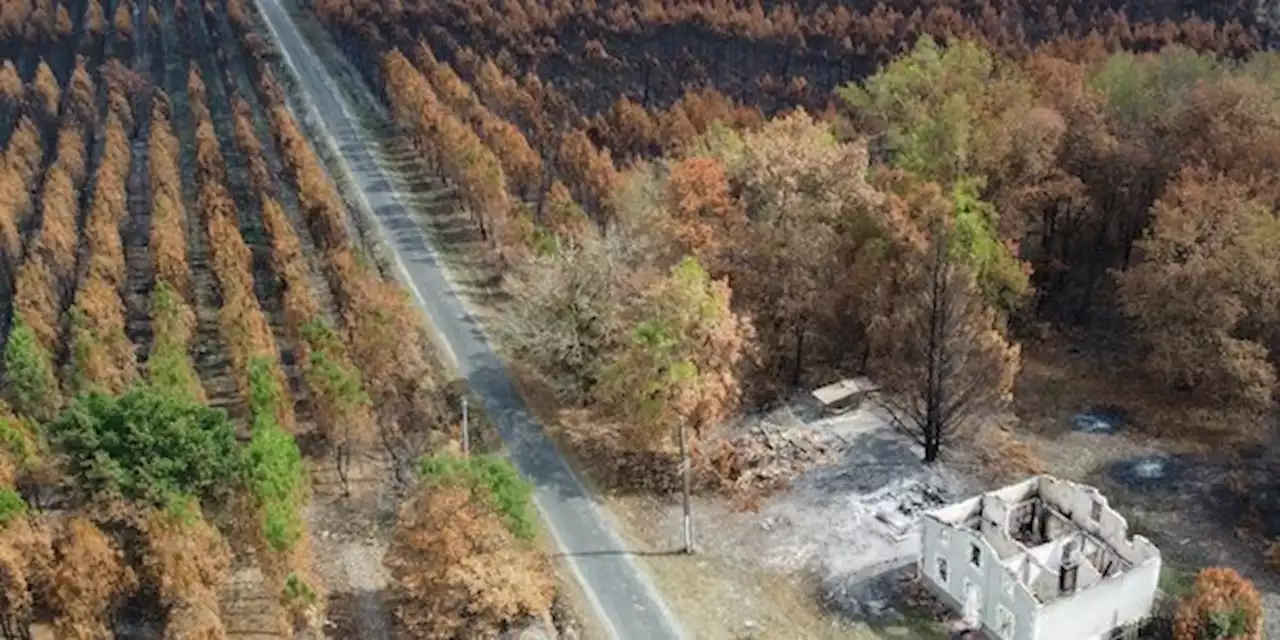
x=713 y=596
x=1058 y=381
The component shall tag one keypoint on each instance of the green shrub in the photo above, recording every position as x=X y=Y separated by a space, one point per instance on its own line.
x=298 y=592
x=277 y=478
x=274 y=471
x=11 y=505
x=30 y=386
x=325 y=370
x=169 y=368
x=148 y=445
x=17 y=438
x=494 y=479
x=265 y=394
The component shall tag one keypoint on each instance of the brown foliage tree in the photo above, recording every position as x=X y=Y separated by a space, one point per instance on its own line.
x=11 y=88
x=635 y=132
x=26 y=559
x=109 y=206
x=18 y=165
x=459 y=572
x=88 y=580
x=44 y=94
x=57 y=238
x=95 y=20
x=62 y=23
x=701 y=208
x=168 y=244
x=589 y=172
x=189 y=562
x=945 y=360
x=1203 y=298
x=123 y=21
x=81 y=98
x=459 y=152
x=519 y=160
x=102 y=358
x=35 y=298
x=1222 y=606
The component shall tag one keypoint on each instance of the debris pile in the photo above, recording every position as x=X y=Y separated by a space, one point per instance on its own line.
x=768 y=458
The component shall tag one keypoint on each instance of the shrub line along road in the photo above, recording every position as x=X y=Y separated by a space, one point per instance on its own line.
x=623 y=597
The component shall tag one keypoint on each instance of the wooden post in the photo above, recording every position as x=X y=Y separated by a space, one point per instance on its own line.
x=686 y=470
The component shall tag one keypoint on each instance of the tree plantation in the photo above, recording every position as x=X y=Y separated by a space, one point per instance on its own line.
x=194 y=337
x=224 y=414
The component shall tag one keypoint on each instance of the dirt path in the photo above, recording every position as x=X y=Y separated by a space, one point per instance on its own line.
x=350 y=540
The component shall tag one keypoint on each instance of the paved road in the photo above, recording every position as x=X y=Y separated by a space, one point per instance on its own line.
x=625 y=601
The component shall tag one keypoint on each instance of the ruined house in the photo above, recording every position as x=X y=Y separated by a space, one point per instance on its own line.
x=1044 y=559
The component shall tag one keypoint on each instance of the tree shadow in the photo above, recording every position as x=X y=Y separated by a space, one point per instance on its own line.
x=361 y=614
x=620 y=552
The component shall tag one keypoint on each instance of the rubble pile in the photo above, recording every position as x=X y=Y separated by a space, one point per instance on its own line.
x=768 y=458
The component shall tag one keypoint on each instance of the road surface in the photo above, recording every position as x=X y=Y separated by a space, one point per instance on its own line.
x=623 y=597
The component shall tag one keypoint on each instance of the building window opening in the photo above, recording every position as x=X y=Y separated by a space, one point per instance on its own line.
x=975 y=555
x=1095 y=511
x=942 y=570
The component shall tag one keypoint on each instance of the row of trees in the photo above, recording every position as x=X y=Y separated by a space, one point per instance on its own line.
x=101 y=355
x=457 y=151
x=383 y=331
x=21 y=162
x=46 y=280
x=341 y=407
x=35 y=22
x=776 y=54
x=464 y=557
x=133 y=468
x=276 y=475
x=558 y=148
x=169 y=365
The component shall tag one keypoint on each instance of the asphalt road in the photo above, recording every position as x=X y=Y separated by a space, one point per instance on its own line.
x=624 y=599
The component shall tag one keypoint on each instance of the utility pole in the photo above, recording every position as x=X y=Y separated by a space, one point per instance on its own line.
x=466 y=431
x=686 y=470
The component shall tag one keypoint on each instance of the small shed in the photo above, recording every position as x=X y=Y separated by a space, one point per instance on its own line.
x=844 y=395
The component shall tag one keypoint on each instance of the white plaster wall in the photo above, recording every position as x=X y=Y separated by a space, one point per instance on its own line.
x=1076 y=500
x=989 y=578
x=1093 y=612
x=956 y=513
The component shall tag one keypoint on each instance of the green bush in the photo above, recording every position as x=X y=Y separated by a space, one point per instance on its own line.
x=298 y=592
x=11 y=505
x=273 y=463
x=149 y=446
x=169 y=368
x=326 y=370
x=265 y=394
x=494 y=479
x=30 y=385
x=277 y=478
x=17 y=438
